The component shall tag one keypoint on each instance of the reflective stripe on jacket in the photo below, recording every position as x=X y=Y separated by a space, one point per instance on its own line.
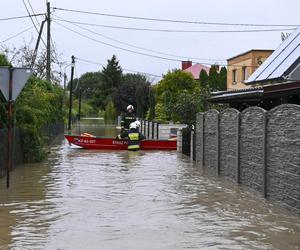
x=134 y=140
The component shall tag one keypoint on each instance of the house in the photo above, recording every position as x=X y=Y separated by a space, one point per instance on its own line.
x=241 y=66
x=276 y=81
x=187 y=66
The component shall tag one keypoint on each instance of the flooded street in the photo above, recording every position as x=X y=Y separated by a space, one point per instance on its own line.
x=85 y=199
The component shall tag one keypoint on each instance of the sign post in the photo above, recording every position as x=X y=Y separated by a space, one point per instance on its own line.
x=12 y=81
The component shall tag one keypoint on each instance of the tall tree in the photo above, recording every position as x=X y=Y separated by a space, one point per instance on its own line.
x=213 y=78
x=203 y=78
x=132 y=90
x=112 y=75
x=223 y=79
x=152 y=103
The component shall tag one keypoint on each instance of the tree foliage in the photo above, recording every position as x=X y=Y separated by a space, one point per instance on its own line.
x=168 y=92
x=203 y=78
x=3 y=116
x=217 y=80
x=23 y=57
x=112 y=75
x=39 y=104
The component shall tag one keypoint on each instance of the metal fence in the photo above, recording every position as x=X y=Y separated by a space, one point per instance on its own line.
x=186 y=141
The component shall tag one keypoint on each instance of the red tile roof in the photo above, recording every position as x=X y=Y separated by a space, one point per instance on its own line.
x=196 y=69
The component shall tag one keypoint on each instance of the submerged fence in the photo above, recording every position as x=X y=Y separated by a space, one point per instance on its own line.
x=257 y=148
x=49 y=131
x=17 y=150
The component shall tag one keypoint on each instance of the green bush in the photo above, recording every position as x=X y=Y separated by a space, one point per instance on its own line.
x=39 y=104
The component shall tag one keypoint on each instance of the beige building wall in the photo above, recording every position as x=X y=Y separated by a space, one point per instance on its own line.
x=239 y=68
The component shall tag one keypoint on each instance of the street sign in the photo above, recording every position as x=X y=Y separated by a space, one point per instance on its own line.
x=19 y=78
x=4 y=80
x=12 y=81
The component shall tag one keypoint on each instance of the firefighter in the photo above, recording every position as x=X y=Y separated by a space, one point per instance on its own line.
x=127 y=119
x=134 y=137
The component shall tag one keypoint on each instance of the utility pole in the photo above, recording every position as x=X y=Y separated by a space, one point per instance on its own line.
x=79 y=103
x=71 y=95
x=10 y=128
x=48 y=66
x=38 y=43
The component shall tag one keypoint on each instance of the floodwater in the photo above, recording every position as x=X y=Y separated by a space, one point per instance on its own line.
x=85 y=199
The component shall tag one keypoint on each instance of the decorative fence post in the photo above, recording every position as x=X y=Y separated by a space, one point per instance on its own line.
x=192 y=145
x=148 y=130
x=264 y=155
x=153 y=123
x=218 y=146
x=238 y=169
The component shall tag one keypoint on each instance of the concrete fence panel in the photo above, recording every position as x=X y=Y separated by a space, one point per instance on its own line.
x=211 y=121
x=283 y=156
x=199 y=139
x=252 y=148
x=229 y=120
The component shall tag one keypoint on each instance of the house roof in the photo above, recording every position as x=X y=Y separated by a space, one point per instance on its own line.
x=196 y=69
x=256 y=93
x=249 y=51
x=283 y=64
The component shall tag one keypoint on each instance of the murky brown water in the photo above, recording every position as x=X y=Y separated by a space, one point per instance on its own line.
x=84 y=199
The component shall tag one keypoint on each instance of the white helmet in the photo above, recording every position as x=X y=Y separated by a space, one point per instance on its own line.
x=130 y=107
x=138 y=124
x=132 y=125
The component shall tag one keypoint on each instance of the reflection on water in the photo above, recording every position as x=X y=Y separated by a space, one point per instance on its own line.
x=95 y=127
x=85 y=199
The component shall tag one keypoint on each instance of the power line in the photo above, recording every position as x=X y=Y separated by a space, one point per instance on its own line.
x=137 y=52
x=174 y=30
x=19 y=33
x=175 y=21
x=33 y=13
x=19 y=17
x=129 y=70
x=117 y=47
x=138 y=47
x=33 y=21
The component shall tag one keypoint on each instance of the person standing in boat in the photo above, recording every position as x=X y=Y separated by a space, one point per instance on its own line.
x=133 y=135
x=127 y=119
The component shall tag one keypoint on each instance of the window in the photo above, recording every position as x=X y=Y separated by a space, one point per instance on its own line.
x=244 y=73
x=234 y=76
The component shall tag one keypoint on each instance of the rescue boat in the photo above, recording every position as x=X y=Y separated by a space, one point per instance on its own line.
x=93 y=142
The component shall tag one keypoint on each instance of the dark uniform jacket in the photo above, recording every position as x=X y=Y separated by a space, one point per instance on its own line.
x=127 y=119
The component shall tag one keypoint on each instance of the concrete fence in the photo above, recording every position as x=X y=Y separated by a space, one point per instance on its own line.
x=256 y=148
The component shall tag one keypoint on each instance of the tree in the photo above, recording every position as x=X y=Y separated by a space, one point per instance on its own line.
x=203 y=78
x=134 y=90
x=112 y=75
x=168 y=91
x=152 y=103
x=23 y=57
x=217 y=80
x=213 y=80
x=187 y=106
x=223 y=79
x=4 y=61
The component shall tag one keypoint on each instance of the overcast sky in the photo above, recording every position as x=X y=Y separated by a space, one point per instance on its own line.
x=207 y=47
